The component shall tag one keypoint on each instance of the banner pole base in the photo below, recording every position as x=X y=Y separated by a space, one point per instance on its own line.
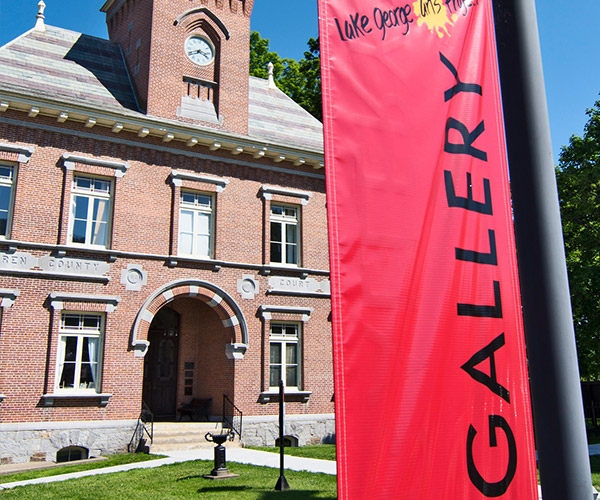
x=282 y=484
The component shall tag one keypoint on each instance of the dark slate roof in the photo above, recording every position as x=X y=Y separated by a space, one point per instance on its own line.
x=78 y=69
x=67 y=66
x=275 y=117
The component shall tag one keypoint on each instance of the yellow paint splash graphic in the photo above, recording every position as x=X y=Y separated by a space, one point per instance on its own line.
x=435 y=15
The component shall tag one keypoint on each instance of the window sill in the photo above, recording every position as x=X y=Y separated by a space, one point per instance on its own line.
x=290 y=396
x=86 y=246
x=111 y=255
x=49 y=399
x=175 y=261
x=283 y=265
x=2 y=396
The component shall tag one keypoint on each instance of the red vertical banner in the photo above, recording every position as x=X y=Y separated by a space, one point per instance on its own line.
x=432 y=395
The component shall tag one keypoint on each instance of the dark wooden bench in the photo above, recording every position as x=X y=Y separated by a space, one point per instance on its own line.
x=196 y=408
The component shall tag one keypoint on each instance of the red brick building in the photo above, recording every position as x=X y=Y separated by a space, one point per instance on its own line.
x=163 y=233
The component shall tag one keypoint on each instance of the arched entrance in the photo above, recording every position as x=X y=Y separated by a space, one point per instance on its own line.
x=215 y=297
x=191 y=329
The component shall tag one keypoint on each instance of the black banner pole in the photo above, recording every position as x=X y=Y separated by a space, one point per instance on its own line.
x=282 y=483
x=555 y=385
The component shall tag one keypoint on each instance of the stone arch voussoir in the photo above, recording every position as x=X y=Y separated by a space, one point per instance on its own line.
x=220 y=301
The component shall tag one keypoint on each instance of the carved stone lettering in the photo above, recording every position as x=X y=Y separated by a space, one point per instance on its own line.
x=66 y=265
x=18 y=260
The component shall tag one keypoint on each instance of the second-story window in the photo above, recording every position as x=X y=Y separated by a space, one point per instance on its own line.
x=7 y=180
x=285 y=234
x=196 y=224
x=91 y=211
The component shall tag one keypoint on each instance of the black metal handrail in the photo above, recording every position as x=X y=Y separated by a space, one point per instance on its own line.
x=138 y=441
x=147 y=416
x=232 y=416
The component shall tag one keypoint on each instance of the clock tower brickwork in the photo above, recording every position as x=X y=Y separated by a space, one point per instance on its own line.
x=152 y=36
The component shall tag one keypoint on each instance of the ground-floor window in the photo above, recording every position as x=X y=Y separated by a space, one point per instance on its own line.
x=78 y=359
x=285 y=354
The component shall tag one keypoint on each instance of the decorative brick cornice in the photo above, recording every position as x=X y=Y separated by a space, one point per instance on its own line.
x=148 y=127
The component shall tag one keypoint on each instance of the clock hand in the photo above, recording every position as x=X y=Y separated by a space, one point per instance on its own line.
x=205 y=53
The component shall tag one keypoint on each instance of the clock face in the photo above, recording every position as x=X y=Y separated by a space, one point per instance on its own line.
x=199 y=50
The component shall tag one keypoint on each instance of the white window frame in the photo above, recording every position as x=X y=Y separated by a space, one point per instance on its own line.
x=80 y=332
x=197 y=210
x=285 y=221
x=284 y=340
x=92 y=194
x=9 y=182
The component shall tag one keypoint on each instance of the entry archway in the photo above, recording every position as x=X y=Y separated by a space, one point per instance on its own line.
x=215 y=297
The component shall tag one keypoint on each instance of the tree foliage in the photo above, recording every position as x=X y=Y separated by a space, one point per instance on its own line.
x=300 y=80
x=578 y=177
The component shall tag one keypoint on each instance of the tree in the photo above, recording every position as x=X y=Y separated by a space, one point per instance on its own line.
x=578 y=178
x=300 y=80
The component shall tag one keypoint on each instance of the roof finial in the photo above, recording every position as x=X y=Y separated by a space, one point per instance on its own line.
x=39 y=23
x=271 y=78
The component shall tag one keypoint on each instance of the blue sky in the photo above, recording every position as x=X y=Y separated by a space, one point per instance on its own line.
x=568 y=36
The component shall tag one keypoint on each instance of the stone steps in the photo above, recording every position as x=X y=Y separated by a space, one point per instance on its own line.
x=173 y=436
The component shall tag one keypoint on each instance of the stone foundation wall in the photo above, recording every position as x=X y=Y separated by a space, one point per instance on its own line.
x=307 y=429
x=34 y=442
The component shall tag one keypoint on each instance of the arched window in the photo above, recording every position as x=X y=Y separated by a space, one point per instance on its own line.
x=72 y=453
x=288 y=442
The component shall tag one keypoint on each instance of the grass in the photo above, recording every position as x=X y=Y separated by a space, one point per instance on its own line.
x=593 y=435
x=184 y=481
x=110 y=461
x=595 y=464
x=320 y=451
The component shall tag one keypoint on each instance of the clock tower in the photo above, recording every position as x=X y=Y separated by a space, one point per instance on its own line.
x=188 y=59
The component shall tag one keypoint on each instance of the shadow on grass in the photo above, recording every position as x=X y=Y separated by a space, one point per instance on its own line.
x=220 y=489
x=595 y=464
x=294 y=495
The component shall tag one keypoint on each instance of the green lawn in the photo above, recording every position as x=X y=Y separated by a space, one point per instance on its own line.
x=184 y=481
x=320 y=451
x=593 y=435
x=111 y=460
x=323 y=452
x=595 y=463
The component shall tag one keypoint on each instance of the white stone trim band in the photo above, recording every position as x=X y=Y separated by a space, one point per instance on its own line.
x=177 y=177
x=57 y=299
x=69 y=161
x=24 y=152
